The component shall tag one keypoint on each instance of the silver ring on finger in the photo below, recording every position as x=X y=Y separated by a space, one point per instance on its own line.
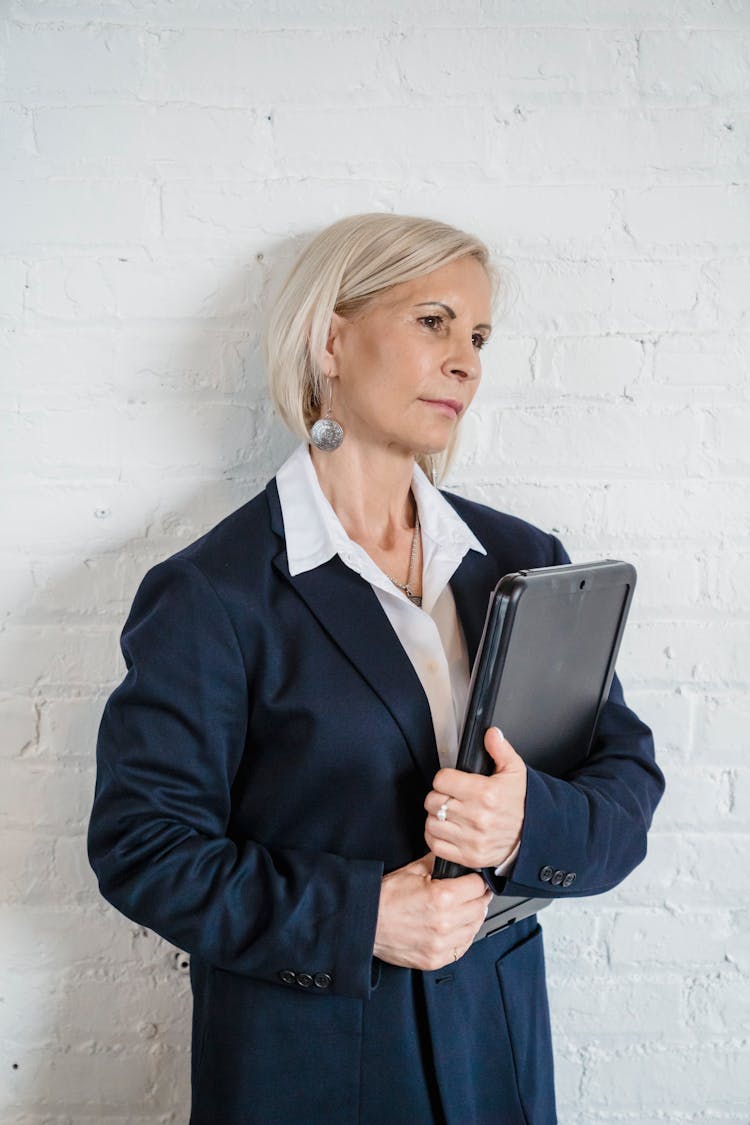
x=442 y=813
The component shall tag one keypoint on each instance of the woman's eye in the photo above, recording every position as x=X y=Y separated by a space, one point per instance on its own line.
x=478 y=340
x=431 y=321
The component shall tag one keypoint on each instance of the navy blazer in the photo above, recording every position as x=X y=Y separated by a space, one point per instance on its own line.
x=263 y=763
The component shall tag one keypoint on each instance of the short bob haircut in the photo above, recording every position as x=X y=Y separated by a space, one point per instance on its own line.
x=341 y=270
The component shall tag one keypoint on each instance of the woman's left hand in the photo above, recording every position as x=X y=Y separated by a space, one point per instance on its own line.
x=483 y=815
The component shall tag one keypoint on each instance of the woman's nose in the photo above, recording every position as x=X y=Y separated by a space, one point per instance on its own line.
x=463 y=363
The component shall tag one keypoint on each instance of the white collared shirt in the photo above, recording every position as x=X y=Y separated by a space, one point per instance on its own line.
x=431 y=635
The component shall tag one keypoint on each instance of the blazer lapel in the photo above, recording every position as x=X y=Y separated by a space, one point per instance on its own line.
x=349 y=611
x=472 y=584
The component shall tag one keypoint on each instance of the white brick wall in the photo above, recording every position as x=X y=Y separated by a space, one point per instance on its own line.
x=160 y=159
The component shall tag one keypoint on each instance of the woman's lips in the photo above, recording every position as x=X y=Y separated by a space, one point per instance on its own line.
x=449 y=406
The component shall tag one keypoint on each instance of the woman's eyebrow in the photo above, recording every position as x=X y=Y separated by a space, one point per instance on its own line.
x=450 y=312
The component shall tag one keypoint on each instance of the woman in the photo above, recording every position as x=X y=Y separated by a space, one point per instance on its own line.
x=275 y=771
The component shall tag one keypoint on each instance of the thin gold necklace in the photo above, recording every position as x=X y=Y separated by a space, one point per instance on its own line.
x=406 y=586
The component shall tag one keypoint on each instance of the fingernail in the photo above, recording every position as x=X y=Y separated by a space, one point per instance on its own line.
x=502 y=736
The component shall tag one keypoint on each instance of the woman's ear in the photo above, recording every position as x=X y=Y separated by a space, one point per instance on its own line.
x=330 y=353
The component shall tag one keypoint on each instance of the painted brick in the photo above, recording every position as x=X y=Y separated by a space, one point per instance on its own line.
x=85 y=939
x=697 y=798
x=670 y=298
x=16 y=581
x=55 y=364
x=576 y=936
x=73 y=876
x=45 y=655
x=642 y=938
x=694 y=66
x=671 y=716
x=61 y=517
x=593 y=366
x=718 y=1002
x=169 y=137
x=19 y=723
x=522 y=62
x=729 y=581
x=617 y=13
x=68 y=726
x=108 y=62
x=27 y=872
x=102 y=587
x=739 y=816
x=691 y=509
x=534 y=217
x=612 y=1009
x=668 y=875
x=236 y=67
x=17 y=129
x=142 y=1016
x=336 y=140
x=598 y=146
x=688 y=651
x=80 y=212
x=616 y=437
x=79 y=360
x=507 y=367
x=704 y=1074
x=579 y=298
x=65 y=1076
x=730 y=278
x=281 y=14
x=722 y=720
x=261 y=214
x=12 y=288
x=691 y=360
x=726 y=437
x=59 y=799
x=558 y=506
x=667 y=577
x=689 y=215
x=97 y=289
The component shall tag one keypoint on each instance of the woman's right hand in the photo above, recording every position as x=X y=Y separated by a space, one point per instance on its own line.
x=425 y=923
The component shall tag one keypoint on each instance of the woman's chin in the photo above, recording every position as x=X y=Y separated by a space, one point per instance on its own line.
x=434 y=444
x=433 y=439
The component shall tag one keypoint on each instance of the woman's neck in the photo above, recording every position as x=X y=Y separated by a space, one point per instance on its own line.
x=369 y=490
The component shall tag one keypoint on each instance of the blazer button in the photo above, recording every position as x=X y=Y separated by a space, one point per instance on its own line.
x=557 y=878
x=323 y=980
x=288 y=976
x=569 y=879
x=304 y=980
x=546 y=874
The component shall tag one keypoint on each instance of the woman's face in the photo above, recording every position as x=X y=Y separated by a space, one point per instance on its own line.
x=406 y=367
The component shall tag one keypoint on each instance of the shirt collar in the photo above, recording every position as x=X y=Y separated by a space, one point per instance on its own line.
x=314 y=533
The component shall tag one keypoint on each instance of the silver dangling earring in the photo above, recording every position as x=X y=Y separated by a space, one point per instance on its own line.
x=327 y=434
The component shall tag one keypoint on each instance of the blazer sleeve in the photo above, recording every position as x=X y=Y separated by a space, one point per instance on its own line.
x=170 y=743
x=585 y=833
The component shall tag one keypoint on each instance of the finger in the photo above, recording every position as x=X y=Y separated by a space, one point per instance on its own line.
x=500 y=750
x=443 y=813
x=423 y=865
x=438 y=836
x=460 y=853
x=459 y=786
x=466 y=889
x=450 y=806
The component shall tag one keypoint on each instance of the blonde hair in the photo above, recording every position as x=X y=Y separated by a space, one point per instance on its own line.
x=343 y=268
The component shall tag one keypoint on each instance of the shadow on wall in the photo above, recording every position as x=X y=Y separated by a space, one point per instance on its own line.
x=97 y=1011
